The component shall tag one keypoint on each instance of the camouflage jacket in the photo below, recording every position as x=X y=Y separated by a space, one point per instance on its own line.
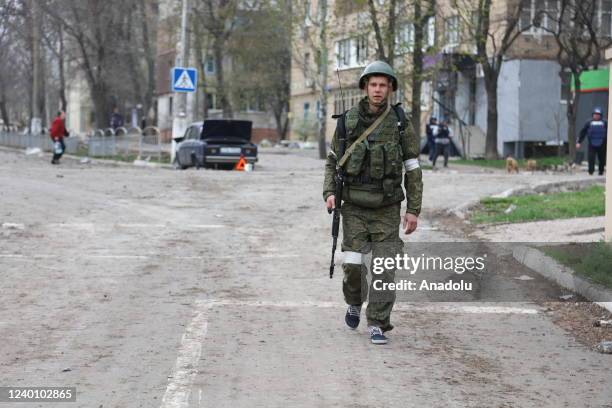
x=406 y=143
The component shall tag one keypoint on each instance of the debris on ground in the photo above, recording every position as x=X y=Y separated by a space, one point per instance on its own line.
x=12 y=226
x=85 y=160
x=602 y=323
x=566 y=297
x=30 y=151
x=605 y=347
x=524 y=278
x=510 y=209
x=577 y=318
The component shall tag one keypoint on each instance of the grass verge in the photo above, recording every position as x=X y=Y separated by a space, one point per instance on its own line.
x=586 y=203
x=591 y=260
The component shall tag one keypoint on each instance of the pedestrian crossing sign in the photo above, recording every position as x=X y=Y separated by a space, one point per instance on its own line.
x=184 y=79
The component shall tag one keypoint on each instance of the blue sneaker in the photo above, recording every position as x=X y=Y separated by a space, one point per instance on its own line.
x=352 y=316
x=376 y=335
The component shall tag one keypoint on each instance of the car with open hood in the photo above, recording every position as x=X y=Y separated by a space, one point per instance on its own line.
x=216 y=143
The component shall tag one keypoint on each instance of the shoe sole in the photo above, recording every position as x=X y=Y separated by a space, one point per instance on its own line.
x=378 y=342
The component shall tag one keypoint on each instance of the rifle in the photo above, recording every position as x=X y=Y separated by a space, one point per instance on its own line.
x=341 y=134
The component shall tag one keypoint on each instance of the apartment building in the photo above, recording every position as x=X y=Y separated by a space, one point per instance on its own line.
x=532 y=90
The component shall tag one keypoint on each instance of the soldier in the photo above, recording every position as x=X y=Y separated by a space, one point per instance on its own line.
x=597 y=132
x=373 y=192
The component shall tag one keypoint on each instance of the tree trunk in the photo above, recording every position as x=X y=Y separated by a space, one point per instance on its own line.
x=222 y=96
x=149 y=51
x=572 y=116
x=3 y=109
x=100 y=99
x=62 y=71
x=323 y=81
x=417 y=69
x=492 y=116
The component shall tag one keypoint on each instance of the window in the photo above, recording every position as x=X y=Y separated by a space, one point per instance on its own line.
x=547 y=11
x=209 y=65
x=605 y=18
x=306 y=110
x=430 y=39
x=352 y=52
x=404 y=38
x=566 y=88
x=451 y=30
x=211 y=101
x=425 y=95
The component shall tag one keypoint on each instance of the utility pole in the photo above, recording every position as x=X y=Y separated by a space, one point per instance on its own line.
x=179 y=122
x=36 y=123
x=608 y=219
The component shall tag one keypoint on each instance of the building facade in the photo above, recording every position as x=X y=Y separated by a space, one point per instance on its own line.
x=532 y=90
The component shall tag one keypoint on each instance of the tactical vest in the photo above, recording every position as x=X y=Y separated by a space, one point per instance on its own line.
x=375 y=168
x=597 y=133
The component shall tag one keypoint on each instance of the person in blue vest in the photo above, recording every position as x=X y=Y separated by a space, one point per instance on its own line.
x=431 y=130
x=597 y=132
x=442 y=140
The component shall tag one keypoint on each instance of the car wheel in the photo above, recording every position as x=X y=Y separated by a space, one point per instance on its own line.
x=178 y=165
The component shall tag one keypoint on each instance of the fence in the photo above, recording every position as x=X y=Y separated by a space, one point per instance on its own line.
x=127 y=144
x=119 y=144
x=43 y=142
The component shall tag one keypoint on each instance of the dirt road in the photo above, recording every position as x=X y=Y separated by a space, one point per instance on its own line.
x=157 y=288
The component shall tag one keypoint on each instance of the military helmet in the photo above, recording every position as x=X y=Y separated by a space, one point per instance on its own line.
x=378 y=68
x=597 y=110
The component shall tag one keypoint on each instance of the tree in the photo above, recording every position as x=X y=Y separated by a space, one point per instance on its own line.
x=219 y=17
x=417 y=13
x=580 y=48
x=310 y=33
x=262 y=49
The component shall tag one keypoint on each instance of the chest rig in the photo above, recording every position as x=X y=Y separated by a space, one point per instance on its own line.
x=375 y=166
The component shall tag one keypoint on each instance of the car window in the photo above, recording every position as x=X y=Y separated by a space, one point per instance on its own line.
x=191 y=134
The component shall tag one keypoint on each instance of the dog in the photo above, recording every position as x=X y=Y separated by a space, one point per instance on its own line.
x=532 y=165
x=512 y=165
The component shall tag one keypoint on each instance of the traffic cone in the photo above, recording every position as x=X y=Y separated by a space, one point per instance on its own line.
x=241 y=164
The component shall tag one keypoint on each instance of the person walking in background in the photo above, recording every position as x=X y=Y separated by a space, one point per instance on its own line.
x=596 y=130
x=57 y=133
x=442 y=143
x=116 y=120
x=431 y=130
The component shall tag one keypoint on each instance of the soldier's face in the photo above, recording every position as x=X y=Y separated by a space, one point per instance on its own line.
x=596 y=116
x=378 y=88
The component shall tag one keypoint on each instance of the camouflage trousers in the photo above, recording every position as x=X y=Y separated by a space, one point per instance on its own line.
x=365 y=230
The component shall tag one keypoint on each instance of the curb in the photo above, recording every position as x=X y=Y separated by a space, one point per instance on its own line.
x=136 y=163
x=562 y=275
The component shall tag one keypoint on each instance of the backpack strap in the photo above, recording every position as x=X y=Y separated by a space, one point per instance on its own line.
x=401 y=117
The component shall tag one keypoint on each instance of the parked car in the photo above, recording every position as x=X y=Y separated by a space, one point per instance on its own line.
x=216 y=143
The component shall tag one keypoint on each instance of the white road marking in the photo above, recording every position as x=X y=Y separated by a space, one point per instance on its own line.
x=433 y=307
x=189 y=352
x=144 y=256
x=90 y=225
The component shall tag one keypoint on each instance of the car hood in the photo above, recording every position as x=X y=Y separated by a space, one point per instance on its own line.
x=223 y=129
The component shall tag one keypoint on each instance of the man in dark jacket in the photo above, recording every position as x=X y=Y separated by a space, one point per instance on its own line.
x=116 y=120
x=442 y=143
x=431 y=130
x=597 y=132
x=57 y=133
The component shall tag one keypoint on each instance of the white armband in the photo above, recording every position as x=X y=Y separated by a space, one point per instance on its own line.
x=411 y=164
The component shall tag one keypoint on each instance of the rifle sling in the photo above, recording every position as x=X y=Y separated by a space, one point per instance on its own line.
x=364 y=135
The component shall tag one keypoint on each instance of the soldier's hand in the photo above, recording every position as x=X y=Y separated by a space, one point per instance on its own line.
x=577 y=145
x=409 y=223
x=330 y=204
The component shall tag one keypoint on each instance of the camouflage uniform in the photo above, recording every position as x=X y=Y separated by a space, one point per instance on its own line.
x=372 y=199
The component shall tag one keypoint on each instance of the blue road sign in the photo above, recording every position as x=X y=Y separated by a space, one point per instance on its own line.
x=184 y=79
